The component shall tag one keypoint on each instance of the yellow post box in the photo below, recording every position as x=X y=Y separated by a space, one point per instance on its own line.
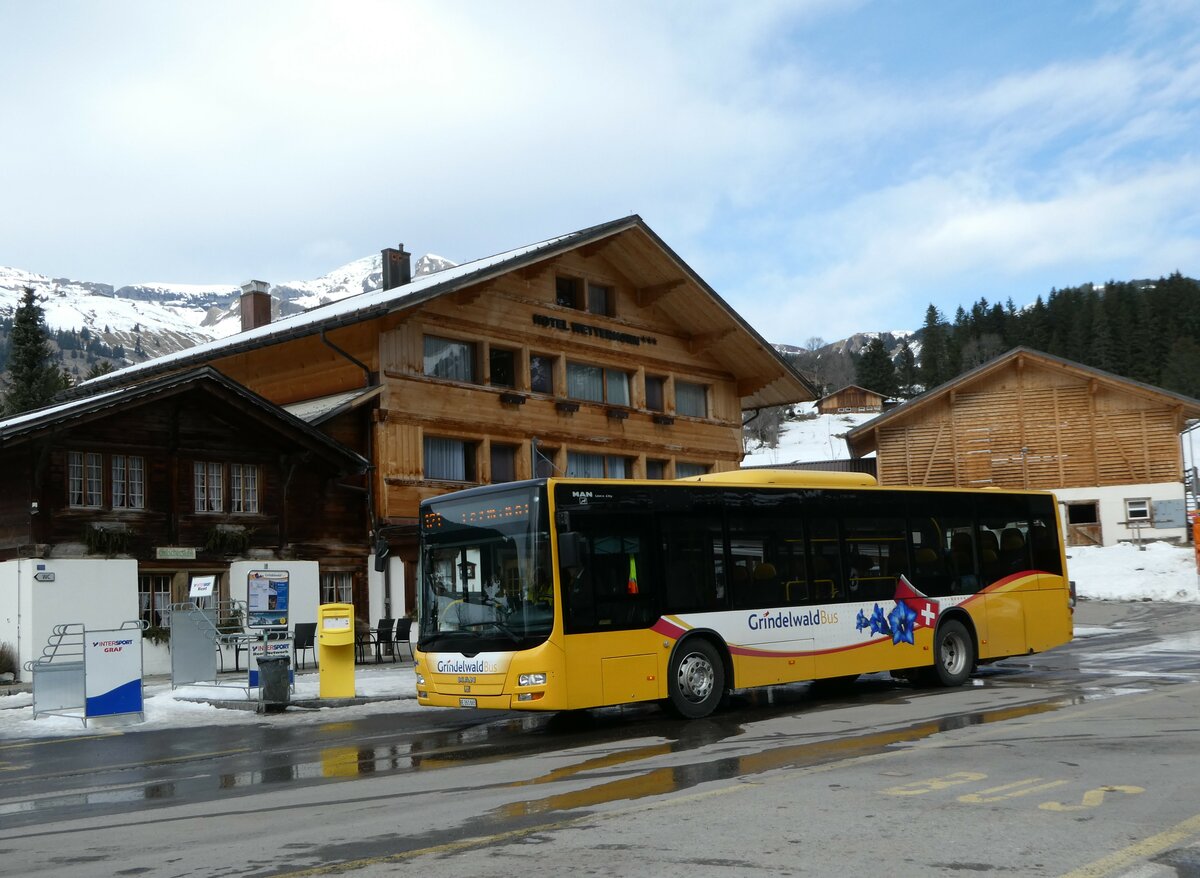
x=335 y=649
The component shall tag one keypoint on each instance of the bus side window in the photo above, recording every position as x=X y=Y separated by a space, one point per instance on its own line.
x=693 y=564
x=826 y=562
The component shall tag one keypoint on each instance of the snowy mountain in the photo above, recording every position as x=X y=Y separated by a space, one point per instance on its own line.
x=146 y=320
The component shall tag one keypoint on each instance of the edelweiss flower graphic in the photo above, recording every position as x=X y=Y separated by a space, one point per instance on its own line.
x=903 y=617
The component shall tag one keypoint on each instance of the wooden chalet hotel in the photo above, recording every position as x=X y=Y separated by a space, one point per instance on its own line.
x=597 y=353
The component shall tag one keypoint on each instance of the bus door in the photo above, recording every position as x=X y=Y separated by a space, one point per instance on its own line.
x=609 y=604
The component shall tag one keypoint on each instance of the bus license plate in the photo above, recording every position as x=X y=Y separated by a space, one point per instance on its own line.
x=467 y=702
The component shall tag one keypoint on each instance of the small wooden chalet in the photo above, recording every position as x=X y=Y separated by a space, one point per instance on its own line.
x=1108 y=447
x=851 y=398
x=597 y=353
x=183 y=473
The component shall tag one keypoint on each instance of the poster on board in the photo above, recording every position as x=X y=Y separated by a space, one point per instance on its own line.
x=267 y=598
x=113 y=672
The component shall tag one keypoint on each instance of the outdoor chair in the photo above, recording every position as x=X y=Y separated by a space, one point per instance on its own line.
x=305 y=639
x=383 y=639
x=401 y=639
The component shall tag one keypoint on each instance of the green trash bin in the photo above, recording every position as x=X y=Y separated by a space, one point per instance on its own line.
x=274 y=683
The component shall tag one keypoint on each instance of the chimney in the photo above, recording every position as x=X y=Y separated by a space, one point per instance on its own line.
x=397 y=267
x=255 y=304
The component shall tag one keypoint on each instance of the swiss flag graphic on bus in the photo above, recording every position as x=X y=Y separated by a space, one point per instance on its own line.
x=925 y=608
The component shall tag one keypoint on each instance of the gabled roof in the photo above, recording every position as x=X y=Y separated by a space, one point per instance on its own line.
x=765 y=377
x=862 y=439
x=74 y=413
x=851 y=387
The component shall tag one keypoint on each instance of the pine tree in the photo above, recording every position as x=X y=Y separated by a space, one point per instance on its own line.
x=875 y=369
x=35 y=379
x=906 y=371
x=933 y=349
x=1181 y=371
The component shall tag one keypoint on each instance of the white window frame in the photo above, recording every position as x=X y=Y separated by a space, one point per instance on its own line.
x=337 y=587
x=243 y=488
x=208 y=479
x=1138 y=509
x=128 y=481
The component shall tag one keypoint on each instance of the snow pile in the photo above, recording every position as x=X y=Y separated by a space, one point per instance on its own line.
x=1163 y=572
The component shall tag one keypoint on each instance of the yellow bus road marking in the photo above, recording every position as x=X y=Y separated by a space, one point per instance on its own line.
x=1013 y=790
x=921 y=787
x=1138 y=851
x=1091 y=799
x=12 y=766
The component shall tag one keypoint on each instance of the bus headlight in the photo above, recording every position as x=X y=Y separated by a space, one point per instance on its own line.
x=420 y=679
x=531 y=680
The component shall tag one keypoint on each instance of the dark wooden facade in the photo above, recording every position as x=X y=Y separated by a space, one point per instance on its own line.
x=308 y=494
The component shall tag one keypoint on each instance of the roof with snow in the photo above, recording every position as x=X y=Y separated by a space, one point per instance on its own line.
x=765 y=377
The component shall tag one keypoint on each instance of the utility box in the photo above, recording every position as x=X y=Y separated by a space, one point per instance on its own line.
x=335 y=650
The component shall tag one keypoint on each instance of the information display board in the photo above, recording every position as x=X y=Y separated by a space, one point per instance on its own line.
x=267 y=598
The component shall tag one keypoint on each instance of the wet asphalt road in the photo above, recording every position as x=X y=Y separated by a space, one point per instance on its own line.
x=459 y=792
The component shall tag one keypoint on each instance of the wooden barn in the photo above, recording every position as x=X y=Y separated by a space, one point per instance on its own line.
x=597 y=353
x=1108 y=446
x=851 y=398
x=182 y=473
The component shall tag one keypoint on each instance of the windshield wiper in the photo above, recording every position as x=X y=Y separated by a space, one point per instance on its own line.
x=512 y=635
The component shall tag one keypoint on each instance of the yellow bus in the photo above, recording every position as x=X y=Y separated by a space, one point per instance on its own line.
x=564 y=594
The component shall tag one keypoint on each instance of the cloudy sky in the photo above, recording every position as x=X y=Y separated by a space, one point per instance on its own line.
x=827 y=166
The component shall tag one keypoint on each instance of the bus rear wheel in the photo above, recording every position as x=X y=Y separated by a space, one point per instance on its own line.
x=696 y=679
x=953 y=654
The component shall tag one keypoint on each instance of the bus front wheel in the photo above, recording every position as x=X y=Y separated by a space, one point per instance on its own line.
x=953 y=654
x=696 y=679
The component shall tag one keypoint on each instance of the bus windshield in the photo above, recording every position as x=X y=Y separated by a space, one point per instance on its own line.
x=485 y=571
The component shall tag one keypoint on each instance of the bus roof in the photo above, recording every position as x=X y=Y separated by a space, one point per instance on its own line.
x=786 y=478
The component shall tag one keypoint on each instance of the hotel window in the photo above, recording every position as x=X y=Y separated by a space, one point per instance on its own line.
x=656 y=469
x=502 y=367
x=581 y=465
x=691 y=399
x=655 y=395
x=568 y=292
x=209 y=481
x=85 y=478
x=337 y=587
x=543 y=462
x=504 y=463
x=684 y=470
x=154 y=599
x=449 y=359
x=595 y=384
x=541 y=373
x=243 y=487
x=600 y=300
x=449 y=460
x=128 y=482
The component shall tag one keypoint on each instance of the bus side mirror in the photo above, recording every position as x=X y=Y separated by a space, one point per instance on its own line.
x=570 y=550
